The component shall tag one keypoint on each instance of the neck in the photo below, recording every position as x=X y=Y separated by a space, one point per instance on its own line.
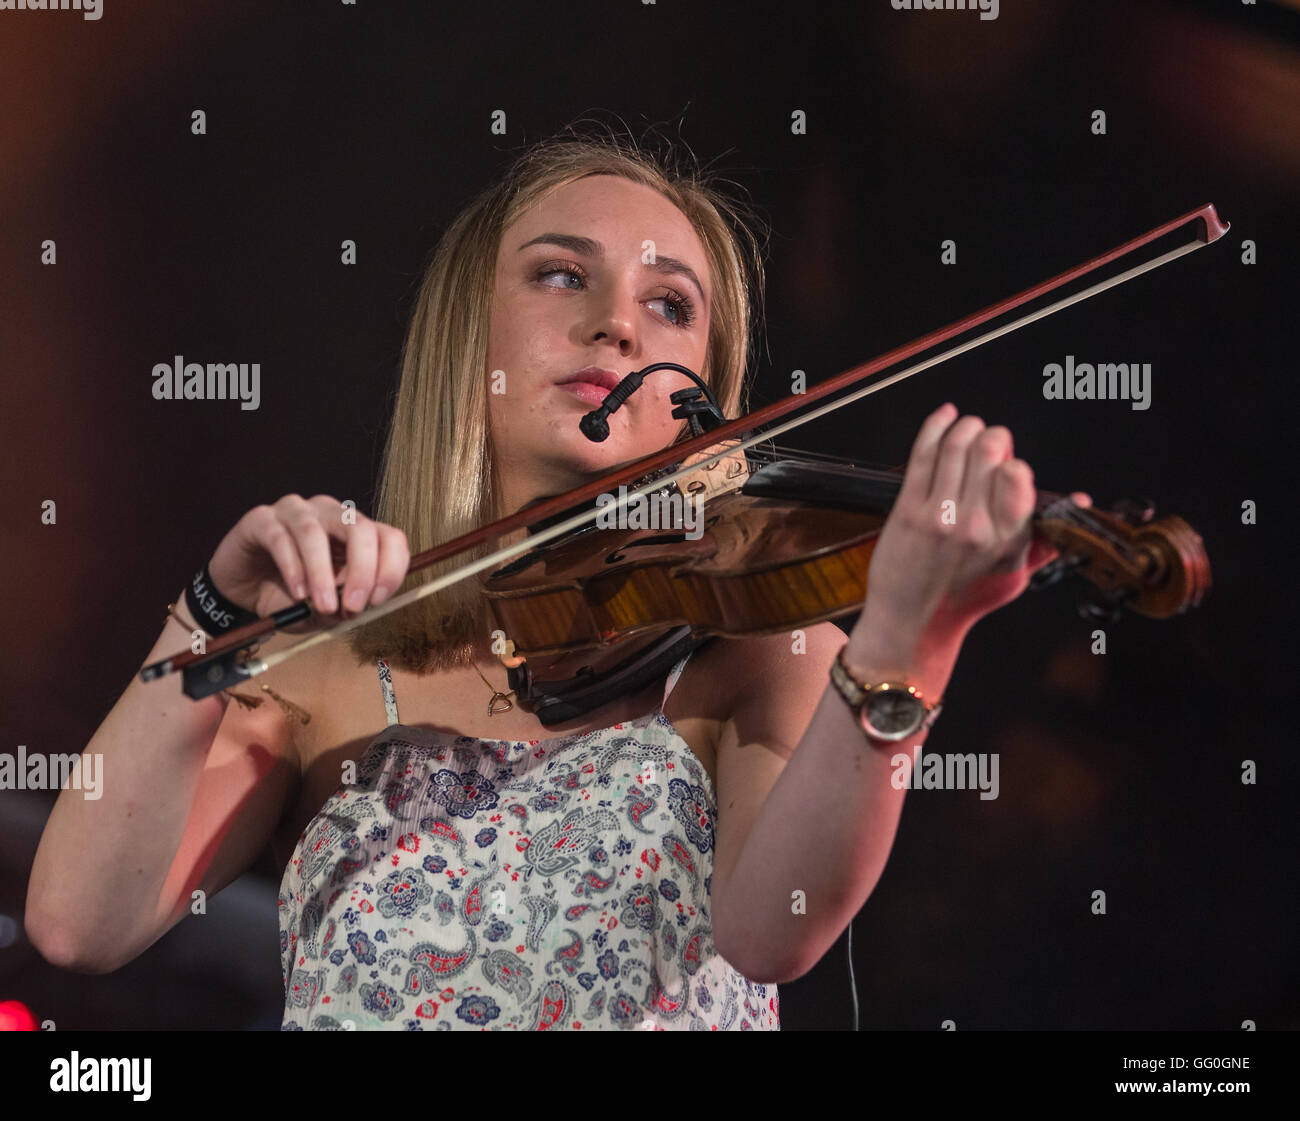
x=522 y=485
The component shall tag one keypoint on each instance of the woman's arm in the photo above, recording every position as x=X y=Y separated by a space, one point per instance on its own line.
x=804 y=830
x=808 y=806
x=190 y=793
x=193 y=790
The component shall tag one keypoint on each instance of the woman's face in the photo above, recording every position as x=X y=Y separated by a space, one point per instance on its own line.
x=573 y=290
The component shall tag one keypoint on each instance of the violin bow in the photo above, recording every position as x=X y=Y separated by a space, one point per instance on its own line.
x=230 y=657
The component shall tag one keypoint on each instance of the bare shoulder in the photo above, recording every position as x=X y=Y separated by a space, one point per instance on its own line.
x=774 y=679
x=305 y=688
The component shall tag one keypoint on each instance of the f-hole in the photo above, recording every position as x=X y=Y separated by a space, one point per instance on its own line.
x=659 y=539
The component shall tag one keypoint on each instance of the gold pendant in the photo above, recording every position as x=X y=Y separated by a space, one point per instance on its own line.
x=498 y=696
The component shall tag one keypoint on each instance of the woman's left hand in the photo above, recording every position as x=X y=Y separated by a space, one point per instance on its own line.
x=958 y=542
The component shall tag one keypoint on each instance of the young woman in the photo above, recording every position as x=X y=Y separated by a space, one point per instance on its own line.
x=666 y=860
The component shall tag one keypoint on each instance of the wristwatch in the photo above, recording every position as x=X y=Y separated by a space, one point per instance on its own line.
x=887 y=710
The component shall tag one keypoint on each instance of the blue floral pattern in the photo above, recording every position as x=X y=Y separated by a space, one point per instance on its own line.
x=464 y=884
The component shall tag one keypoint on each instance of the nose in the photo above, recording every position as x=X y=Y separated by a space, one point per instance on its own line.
x=613 y=319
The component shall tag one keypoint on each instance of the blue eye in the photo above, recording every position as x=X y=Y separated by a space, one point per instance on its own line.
x=557 y=272
x=683 y=306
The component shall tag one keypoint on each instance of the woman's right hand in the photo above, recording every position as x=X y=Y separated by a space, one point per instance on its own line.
x=280 y=554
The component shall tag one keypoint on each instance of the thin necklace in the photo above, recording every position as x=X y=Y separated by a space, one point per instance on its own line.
x=497 y=695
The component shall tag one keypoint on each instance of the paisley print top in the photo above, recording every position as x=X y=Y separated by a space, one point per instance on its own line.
x=465 y=884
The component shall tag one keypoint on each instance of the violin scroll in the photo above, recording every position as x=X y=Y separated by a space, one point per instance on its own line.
x=1156 y=567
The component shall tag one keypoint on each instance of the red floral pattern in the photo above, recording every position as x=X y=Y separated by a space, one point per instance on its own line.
x=506 y=885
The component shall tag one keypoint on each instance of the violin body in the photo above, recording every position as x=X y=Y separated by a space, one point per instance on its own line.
x=761 y=565
x=789 y=546
x=601 y=612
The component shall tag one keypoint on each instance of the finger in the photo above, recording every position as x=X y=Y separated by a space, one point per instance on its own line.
x=271 y=534
x=1080 y=498
x=1041 y=553
x=919 y=475
x=313 y=547
x=1013 y=497
x=363 y=556
x=950 y=470
x=354 y=548
x=394 y=559
x=987 y=452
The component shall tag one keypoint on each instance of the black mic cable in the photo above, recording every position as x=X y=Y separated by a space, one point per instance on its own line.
x=595 y=424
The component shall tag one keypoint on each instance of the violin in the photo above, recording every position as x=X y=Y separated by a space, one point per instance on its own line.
x=776 y=548
x=587 y=613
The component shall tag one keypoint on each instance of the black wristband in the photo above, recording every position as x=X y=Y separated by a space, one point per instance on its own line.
x=212 y=611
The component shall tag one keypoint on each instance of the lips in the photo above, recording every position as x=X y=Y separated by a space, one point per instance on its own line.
x=591 y=384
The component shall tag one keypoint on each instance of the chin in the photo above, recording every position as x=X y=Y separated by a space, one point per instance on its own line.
x=588 y=456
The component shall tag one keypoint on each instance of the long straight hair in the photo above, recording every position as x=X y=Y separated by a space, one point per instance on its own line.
x=438 y=476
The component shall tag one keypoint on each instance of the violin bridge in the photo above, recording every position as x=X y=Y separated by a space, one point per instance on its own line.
x=723 y=475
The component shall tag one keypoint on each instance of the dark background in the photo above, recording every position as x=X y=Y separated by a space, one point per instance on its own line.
x=1118 y=772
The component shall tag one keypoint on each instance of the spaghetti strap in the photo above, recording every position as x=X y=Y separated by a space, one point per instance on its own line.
x=386 y=687
x=421 y=797
x=673 y=675
x=390 y=697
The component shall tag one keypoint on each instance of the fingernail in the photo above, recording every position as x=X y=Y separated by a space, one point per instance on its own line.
x=379 y=594
x=355 y=599
x=300 y=591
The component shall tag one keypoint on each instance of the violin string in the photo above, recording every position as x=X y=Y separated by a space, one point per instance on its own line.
x=255 y=666
x=784 y=450
x=784 y=454
x=1084 y=518
x=1074 y=514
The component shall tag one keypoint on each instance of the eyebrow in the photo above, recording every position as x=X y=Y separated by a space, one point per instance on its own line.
x=667 y=266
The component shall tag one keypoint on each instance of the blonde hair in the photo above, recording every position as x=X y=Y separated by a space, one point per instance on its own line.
x=437 y=478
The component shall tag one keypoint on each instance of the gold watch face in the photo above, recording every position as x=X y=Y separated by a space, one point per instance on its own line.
x=892 y=714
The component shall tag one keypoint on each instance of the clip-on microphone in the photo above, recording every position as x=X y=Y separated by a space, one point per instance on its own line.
x=701 y=415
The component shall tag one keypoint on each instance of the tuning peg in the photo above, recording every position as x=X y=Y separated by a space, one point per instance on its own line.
x=1098 y=612
x=1104 y=608
x=1135 y=511
x=1055 y=571
x=1048 y=575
